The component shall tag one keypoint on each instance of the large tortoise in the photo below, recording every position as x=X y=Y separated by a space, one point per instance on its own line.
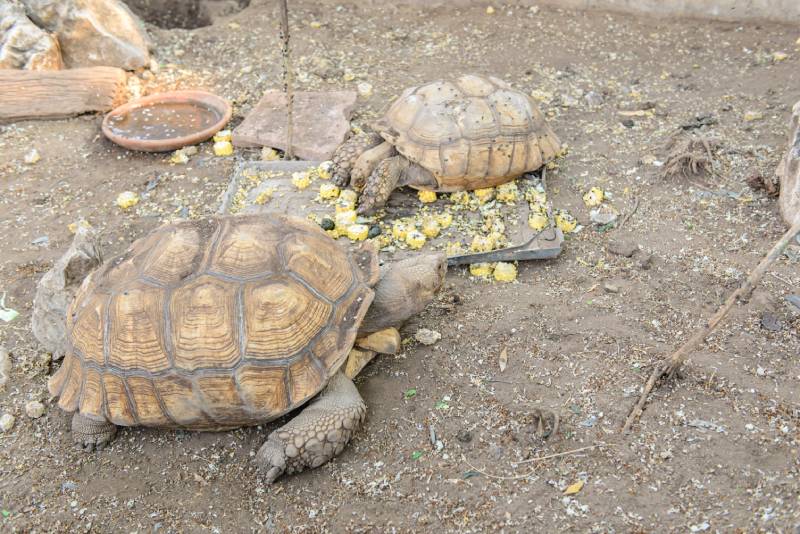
x=469 y=133
x=217 y=324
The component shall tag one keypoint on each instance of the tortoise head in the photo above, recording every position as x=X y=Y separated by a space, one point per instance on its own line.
x=404 y=290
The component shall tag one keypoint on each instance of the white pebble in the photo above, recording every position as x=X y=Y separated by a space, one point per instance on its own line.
x=427 y=337
x=364 y=89
x=32 y=156
x=6 y=422
x=34 y=409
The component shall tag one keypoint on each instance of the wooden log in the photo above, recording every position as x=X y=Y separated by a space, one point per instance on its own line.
x=59 y=94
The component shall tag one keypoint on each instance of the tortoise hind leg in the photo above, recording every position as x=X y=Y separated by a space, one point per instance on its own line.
x=317 y=434
x=90 y=433
x=344 y=158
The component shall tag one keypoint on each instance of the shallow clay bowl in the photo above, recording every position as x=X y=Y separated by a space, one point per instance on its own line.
x=167 y=121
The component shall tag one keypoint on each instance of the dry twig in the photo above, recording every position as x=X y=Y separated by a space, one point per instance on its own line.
x=537 y=459
x=671 y=365
x=287 y=77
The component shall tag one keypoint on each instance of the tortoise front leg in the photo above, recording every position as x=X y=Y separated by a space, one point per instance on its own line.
x=90 y=433
x=344 y=158
x=320 y=432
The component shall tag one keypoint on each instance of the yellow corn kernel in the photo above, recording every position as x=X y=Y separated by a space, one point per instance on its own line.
x=538 y=208
x=265 y=196
x=223 y=148
x=426 y=197
x=593 y=197
x=415 y=239
x=460 y=197
x=328 y=191
x=505 y=272
x=384 y=240
x=454 y=248
x=269 y=154
x=482 y=243
x=535 y=196
x=445 y=219
x=333 y=233
x=565 y=221
x=498 y=239
x=301 y=180
x=73 y=227
x=484 y=195
x=179 y=157
x=357 y=232
x=508 y=193
x=127 y=199
x=431 y=227
x=324 y=170
x=344 y=219
x=399 y=231
x=481 y=269
x=537 y=220
x=347 y=200
x=223 y=136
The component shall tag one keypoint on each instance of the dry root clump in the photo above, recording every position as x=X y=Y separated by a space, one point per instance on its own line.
x=690 y=155
x=758 y=181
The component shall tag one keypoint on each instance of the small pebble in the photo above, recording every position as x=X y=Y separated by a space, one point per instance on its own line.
x=594 y=99
x=364 y=89
x=327 y=224
x=32 y=156
x=751 y=116
x=628 y=123
x=427 y=337
x=611 y=288
x=374 y=231
x=34 y=409
x=6 y=422
x=621 y=248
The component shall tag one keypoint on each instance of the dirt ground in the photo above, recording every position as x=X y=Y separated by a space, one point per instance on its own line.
x=716 y=451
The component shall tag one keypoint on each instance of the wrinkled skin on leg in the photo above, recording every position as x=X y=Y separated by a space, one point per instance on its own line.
x=380 y=184
x=367 y=162
x=390 y=173
x=344 y=158
x=320 y=432
x=90 y=433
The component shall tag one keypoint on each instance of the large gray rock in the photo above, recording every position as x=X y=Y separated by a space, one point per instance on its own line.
x=93 y=32
x=789 y=174
x=23 y=45
x=58 y=286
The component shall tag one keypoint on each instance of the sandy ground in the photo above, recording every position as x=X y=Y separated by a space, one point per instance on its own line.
x=716 y=450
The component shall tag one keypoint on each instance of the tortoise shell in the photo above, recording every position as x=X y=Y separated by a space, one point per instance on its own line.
x=470 y=133
x=214 y=324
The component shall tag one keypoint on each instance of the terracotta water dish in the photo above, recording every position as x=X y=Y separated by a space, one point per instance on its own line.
x=167 y=121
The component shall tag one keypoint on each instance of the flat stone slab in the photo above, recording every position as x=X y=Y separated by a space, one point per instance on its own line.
x=321 y=122
x=251 y=178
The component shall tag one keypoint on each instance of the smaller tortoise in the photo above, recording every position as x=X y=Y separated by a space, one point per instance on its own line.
x=234 y=321
x=465 y=134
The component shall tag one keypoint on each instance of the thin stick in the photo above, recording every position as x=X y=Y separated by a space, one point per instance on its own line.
x=287 y=78
x=629 y=214
x=672 y=364
x=558 y=454
x=531 y=472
